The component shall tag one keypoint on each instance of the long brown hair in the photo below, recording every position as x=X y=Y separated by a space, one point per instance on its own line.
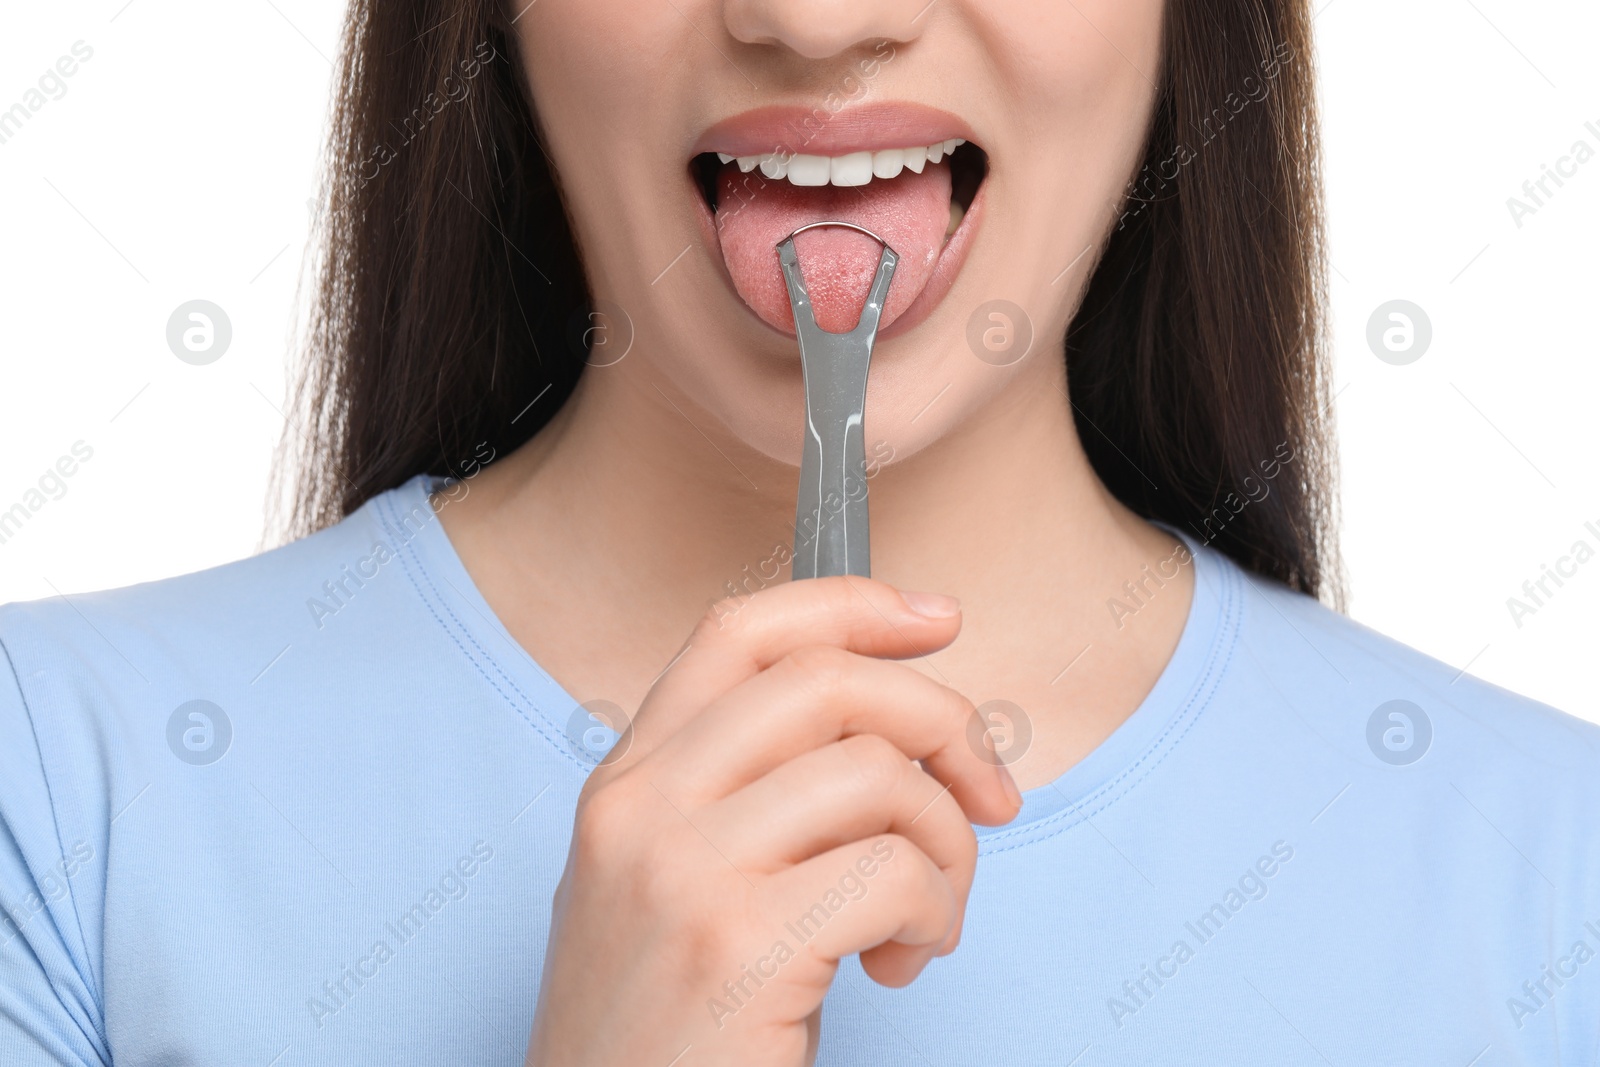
x=447 y=283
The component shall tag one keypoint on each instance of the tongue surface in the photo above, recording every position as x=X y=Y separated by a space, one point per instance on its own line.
x=754 y=214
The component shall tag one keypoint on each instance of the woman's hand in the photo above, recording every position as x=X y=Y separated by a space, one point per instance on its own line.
x=769 y=816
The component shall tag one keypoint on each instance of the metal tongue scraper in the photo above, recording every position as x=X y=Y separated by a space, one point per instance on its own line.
x=830 y=522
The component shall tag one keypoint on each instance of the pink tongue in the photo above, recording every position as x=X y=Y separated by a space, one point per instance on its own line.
x=754 y=214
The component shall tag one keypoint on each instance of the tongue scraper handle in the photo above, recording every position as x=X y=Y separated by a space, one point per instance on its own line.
x=830 y=525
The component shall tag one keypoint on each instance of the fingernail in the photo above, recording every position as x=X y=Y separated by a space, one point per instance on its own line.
x=932 y=605
x=1009 y=784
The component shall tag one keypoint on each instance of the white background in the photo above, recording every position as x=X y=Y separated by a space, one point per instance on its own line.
x=180 y=162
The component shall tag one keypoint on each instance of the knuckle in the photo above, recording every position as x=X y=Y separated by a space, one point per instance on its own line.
x=822 y=669
x=966 y=844
x=914 y=871
x=837 y=595
x=924 y=877
x=877 y=764
x=896 y=856
x=724 y=619
x=958 y=712
x=619 y=841
x=606 y=822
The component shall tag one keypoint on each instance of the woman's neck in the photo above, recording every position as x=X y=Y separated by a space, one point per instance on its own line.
x=603 y=541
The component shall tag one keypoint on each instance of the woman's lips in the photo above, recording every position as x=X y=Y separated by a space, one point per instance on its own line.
x=911 y=211
x=817 y=131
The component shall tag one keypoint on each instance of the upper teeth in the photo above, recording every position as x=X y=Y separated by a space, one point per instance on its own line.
x=857 y=168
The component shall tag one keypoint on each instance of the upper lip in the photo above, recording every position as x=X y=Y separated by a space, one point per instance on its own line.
x=820 y=132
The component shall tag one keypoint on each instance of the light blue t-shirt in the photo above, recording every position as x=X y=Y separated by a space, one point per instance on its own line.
x=311 y=807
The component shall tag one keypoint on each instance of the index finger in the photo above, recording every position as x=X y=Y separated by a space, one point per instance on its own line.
x=737 y=640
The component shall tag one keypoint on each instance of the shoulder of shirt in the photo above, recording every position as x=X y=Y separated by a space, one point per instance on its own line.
x=225 y=624
x=1334 y=670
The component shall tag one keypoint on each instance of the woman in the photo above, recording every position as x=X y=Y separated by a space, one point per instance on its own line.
x=1085 y=774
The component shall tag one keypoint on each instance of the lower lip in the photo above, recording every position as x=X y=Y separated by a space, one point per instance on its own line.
x=951 y=258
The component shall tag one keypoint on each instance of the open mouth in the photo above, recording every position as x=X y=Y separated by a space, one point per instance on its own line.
x=918 y=196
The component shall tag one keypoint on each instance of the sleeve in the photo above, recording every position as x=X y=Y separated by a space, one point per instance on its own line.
x=50 y=1006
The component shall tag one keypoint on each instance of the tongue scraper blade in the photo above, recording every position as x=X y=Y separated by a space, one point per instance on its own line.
x=830 y=524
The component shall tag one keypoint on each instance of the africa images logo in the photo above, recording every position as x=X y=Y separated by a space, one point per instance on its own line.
x=199 y=732
x=1399 y=733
